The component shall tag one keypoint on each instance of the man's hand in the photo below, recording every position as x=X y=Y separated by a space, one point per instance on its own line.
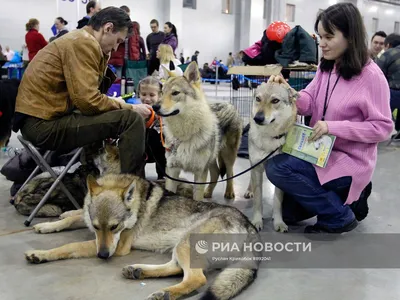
x=143 y=109
x=320 y=128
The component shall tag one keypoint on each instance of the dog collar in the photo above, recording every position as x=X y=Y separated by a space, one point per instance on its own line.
x=279 y=136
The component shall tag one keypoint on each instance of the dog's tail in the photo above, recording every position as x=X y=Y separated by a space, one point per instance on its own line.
x=222 y=166
x=230 y=283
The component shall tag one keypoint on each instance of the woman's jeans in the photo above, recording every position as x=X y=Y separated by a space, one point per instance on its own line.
x=304 y=195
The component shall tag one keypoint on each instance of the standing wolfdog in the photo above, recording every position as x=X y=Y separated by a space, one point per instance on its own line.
x=274 y=113
x=198 y=134
x=126 y=211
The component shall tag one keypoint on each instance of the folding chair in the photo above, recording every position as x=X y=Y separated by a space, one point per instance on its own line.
x=45 y=167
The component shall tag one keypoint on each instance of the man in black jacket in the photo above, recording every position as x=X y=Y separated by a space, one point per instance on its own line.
x=389 y=62
x=91 y=8
x=153 y=40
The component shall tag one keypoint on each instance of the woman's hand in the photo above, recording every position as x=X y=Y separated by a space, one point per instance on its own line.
x=320 y=128
x=278 y=79
x=143 y=109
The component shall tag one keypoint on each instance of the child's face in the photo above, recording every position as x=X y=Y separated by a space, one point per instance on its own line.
x=149 y=95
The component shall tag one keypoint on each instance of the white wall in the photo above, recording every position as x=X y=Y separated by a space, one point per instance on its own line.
x=16 y=13
x=386 y=14
x=142 y=11
x=207 y=30
x=307 y=10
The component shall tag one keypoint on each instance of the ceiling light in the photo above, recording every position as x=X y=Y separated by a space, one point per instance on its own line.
x=373 y=9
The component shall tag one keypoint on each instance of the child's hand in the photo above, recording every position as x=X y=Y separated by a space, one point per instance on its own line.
x=143 y=109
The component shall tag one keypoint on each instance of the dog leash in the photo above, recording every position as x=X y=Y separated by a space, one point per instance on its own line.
x=210 y=182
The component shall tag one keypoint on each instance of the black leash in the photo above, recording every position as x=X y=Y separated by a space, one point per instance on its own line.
x=211 y=182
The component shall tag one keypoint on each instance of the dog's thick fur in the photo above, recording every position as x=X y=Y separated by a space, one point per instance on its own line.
x=126 y=211
x=274 y=113
x=201 y=137
x=8 y=97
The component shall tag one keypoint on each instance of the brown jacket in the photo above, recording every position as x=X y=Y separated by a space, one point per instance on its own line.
x=65 y=75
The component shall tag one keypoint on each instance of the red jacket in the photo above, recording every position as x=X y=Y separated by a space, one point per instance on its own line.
x=137 y=50
x=34 y=41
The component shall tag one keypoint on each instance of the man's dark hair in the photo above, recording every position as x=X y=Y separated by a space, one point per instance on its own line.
x=91 y=4
x=154 y=21
x=346 y=18
x=125 y=8
x=197 y=52
x=393 y=40
x=379 y=33
x=230 y=53
x=114 y=15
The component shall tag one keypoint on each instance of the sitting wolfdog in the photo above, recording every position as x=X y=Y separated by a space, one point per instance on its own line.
x=126 y=211
x=198 y=134
x=274 y=113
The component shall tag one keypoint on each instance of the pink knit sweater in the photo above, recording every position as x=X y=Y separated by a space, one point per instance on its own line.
x=359 y=115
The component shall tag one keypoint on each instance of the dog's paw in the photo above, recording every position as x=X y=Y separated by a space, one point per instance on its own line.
x=46 y=227
x=36 y=256
x=248 y=194
x=281 y=227
x=161 y=295
x=258 y=223
x=70 y=213
x=229 y=195
x=208 y=194
x=130 y=272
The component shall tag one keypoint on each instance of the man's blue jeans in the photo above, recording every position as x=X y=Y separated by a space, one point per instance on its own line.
x=305 y=197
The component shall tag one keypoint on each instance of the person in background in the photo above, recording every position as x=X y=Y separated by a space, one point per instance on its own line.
x=229 y=61
x=348 y=98
x=70 y=108
x=389 y=62
x=187 y=60
x=91 y=8
x=142 y=47
x=168 y=61
x=60 y=24
x=33 y=39
x=377 y=43
x=171 y=36
x=2 y=56
x=9 y=54
x=181 y=58
x=132 y=49
x=153 y=40
x=195 y=56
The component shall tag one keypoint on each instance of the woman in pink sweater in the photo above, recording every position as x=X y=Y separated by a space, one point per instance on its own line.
x=348 y=98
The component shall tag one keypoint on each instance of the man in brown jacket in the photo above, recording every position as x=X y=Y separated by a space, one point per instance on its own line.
x=61 y=103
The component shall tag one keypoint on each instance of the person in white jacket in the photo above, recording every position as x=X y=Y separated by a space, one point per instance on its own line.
x=168 y=61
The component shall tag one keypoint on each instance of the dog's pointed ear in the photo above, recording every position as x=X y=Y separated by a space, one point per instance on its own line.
x=192 y=73
x=128 y=192
x=166 y=73
x=93 y=186
x=112 y=150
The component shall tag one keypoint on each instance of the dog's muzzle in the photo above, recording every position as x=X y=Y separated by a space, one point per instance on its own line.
x=103 y=254
x=259 y=118
x=157 y=108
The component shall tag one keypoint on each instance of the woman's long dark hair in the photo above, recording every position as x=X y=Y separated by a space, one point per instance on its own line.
x=173 y=31
x=346 y=18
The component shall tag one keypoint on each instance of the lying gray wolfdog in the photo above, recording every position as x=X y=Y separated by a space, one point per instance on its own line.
x=126 y=212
